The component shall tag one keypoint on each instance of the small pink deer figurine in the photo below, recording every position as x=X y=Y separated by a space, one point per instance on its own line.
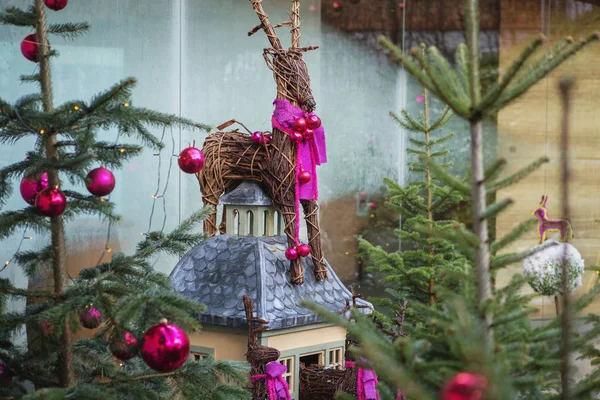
x=552 y=225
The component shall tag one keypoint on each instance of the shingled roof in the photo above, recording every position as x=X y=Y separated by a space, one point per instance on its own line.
x=221 y=270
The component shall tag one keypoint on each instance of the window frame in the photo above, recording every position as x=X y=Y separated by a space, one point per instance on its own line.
x=289 y=377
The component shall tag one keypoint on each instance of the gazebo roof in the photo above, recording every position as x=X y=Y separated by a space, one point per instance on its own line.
x=246 y=193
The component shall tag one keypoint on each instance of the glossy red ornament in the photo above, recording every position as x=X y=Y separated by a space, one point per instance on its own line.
x=303 y=250
x=100 y=182
x=300 y=124
x=6 y=375
x=297 y=137
x=124 y=348
x=313 y=121
x=464 y=386
x=308 y=134
x=373 y=205
x=47 y=328
x=165 y=347
x=291 y=254
x=56 y=5
x=304 y=177
x=29 y=47
x=256 y=136
x=90 y=318
x=265 y=140
x=191 y=160
x=31 y=186
x=51 y=202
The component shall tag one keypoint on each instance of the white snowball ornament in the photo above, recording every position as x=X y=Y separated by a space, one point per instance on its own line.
x=544 y=268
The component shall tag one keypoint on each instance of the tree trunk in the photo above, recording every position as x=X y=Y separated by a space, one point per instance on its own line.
x=59 y=265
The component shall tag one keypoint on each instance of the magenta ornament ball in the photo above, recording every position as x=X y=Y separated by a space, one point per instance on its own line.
x=308 y=134
x=51 y=202
x=191 y=160
x=297 y=137
x=304 y=177
x=165 y=347
x=291 y=254
x=100 y=182
x=464 y=386
x=31 y=186
x=56 y=5
x=313 y=121
x=265 y=140
x=300 y=124
x=29 y=47
x=90 y=318
x=124 y=348
x=303 y=250
x=257 y=136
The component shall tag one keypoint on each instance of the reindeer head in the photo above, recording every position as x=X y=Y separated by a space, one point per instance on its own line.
x=288 y=66
x=541 y=212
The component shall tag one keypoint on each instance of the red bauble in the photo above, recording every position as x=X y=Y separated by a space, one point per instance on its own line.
x=124 y=348
x=304 y=177
x=303 y=250
x=51 y=202
x=308 y=134
x=191 y=160
x=256 y=136
x=90 y=318
x=313 y=121
x=5 y=375
x=165 y=347
x=47 y=328
x=31 y=186
x=30 y=46
x=297 y=137
x=291 y=254
x=56 y=5
x=265 y=140
x=100 y=182
x=300 y=124
x=464 y=386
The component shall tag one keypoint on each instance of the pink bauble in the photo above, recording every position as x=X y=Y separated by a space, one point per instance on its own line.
x=51 y=202
x=300 y=124
x=373 y=205
x=31 y=186
x=100 y=182
x=47 y=328
x=29 y=47
x=90 y=318
x=6 y=375
x=303 y=250
x=308 y=134
x=313 y=121
x=304 y=177
x=464 y=386
x=56 y=5
x=165 y=347
x=124 y=348
x=256 y=136
x=291 y=254
x=297 y=137
x=191 y=160
x=265 y=140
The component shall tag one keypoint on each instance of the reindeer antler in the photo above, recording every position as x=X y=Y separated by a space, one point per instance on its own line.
x=253 y=330
x=295 y=23
x=265 y=25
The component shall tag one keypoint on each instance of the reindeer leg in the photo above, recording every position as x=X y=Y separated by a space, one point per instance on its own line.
x=210 y=223
x=288 y=211
x=311 y=215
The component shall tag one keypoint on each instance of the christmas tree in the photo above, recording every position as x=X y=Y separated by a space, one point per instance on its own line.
x=477 y=341
x=413 y=273
x=124 y=298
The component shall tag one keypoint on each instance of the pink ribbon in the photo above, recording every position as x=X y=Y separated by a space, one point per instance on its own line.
x=309 y=153
x=277 y=387
x=366 y=383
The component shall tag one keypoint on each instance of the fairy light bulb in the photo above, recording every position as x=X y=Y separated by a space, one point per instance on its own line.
x=76 y=108
x=125 y=104
x=122 y=150
x=42 y=131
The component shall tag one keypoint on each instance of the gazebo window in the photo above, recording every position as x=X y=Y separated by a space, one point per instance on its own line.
x=250 y=222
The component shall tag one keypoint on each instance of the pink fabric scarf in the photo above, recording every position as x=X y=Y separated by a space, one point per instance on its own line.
x=277 y=387
x=366 y=383
x=309 y=153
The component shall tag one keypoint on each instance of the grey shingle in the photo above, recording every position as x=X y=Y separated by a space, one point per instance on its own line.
x=258 y=267
x=247 y=193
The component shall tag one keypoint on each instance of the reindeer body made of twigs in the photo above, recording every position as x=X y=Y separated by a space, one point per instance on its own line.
x=231 y=157
x=551 y=225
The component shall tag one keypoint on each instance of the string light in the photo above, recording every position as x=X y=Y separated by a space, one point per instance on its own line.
x=76 y=108
x=42 y=131
x=23 y=238
x=336 y=5
x=122 y=150
x=125 y=104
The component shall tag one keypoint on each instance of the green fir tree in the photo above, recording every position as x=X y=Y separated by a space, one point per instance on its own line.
x=129 y=293
x=476 y=328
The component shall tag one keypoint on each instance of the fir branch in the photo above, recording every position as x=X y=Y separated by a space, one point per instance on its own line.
x=494 y=170
x=27 y=218
x=517 y=176
x=512 y=235
x=496 y=208
x=503 y=260
x=32 y=261
x=17 y=17
x=448 y=179
x=447 y=74
x=408 y=122
x=462 y=66
x=442 y=120
x=30 y=78
x=69 y=30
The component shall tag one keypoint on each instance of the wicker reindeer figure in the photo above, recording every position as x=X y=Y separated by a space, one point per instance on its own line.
x=551 y=225
x=280 y=161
